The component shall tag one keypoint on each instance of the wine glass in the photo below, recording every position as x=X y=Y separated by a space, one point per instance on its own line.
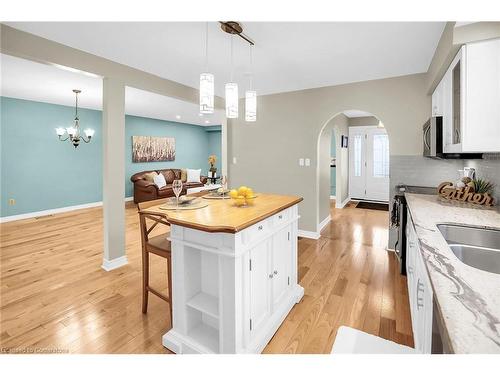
x=223 y=181
x=177 y=188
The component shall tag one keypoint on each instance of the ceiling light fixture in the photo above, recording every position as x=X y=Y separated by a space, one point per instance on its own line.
x=251 y=96
x=206 y=83
x=207 y=122
x=178 y=117
x=74 y=132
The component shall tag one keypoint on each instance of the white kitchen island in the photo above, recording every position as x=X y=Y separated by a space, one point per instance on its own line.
x=234 y=274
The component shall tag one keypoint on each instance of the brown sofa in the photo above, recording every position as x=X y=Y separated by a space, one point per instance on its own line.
x=146 y=191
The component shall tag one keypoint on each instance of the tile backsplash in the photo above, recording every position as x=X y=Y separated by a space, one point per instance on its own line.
x=421 y=171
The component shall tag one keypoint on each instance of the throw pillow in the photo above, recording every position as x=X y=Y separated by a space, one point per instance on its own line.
x=149 y=177
x=193 y=175
x=159 y=181
x=184 y=175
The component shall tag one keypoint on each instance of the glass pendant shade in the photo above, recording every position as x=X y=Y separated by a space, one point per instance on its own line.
x=231 y=100
x=71 y=131
x=206 y=93
x=250 y=106
x=89 y=132
x=60 y=131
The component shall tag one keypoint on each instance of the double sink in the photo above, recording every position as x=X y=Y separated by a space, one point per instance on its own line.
x=477 y=247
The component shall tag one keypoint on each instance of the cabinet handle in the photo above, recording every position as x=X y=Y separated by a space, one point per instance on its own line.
x=275 y=272
x=271 y=275
x=280 y=217
x=260 y=227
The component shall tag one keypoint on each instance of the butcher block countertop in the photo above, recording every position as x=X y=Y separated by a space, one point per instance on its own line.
x=222 y=216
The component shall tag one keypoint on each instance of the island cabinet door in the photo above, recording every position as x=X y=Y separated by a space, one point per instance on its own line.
x=281 y=255
x=259 y=296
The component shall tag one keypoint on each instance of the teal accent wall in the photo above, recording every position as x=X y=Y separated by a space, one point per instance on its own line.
x=41 y=173
x=333 y=177
x=38 y=170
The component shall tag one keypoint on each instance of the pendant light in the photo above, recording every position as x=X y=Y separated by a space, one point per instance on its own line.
x=251 y=96
x=231 y=89
x=206 y=84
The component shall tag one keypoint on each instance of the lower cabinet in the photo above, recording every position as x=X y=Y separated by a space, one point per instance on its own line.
x=419 y=292
x=269 y=274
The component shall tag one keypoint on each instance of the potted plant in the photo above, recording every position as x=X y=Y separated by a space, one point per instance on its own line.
x=212 y=159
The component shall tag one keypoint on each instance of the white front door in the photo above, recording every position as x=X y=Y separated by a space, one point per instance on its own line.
x=368 y=163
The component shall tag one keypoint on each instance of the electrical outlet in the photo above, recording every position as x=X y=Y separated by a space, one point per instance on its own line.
x=308 y=162
x=234 y=160
x=301 y=162
x=12 y=202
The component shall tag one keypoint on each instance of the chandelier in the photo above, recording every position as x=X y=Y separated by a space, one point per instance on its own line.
x=73 y=132
x=231 y=88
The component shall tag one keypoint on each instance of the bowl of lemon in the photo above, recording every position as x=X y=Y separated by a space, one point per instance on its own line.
x=243 y=196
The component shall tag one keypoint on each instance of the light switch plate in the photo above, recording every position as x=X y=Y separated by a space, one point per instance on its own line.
x=308 y=162
x=234 y=159
x=301 y=162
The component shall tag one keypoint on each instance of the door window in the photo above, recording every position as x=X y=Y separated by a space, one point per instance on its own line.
x=357 y=155
x=380 y=155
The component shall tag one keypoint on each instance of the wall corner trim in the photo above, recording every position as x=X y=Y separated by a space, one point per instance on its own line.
x=342 y=204
x=308 y=234
x=109 y=265
x=324 y=223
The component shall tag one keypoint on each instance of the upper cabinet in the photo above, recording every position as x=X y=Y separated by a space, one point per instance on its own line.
x=468 y=98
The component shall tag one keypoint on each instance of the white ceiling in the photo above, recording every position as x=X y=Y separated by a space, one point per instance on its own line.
x=287 y=55
x=24 y=79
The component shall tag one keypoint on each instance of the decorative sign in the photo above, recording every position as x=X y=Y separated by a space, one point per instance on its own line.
x=464 y=194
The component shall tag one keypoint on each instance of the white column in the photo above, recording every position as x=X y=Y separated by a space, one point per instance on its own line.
x=113 y=124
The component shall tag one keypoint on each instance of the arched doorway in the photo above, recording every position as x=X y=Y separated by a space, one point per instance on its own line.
x=361 y=149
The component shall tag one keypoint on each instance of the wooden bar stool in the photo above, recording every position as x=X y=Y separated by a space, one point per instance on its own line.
x=158 y=245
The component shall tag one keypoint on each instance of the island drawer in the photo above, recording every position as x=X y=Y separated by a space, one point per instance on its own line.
x=282 y=217
x=257 y=231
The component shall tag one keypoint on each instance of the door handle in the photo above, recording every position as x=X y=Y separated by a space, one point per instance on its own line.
x=271 y=275
x=275 y=272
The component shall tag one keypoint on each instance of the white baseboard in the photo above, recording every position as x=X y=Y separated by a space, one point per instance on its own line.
x=333 y=197
x=109 y=265
x=342 y=204
x=324 y=223
x=308 y=234
x=30 y=215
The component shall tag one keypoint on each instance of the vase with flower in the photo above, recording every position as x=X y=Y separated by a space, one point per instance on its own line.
x=212 y=159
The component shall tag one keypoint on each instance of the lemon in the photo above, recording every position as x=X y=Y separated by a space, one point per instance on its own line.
x=233 y=193
x=242 y=190
x=249 y=193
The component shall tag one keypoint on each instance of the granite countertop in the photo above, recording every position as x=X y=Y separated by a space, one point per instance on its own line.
x=468 y=298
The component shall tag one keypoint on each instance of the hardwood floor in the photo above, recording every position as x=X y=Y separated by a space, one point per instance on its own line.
x=55 y=296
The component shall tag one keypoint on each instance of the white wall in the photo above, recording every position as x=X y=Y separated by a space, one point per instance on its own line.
x=289 y=125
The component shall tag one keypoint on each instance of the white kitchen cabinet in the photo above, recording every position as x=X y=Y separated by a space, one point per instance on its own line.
x=270 y=275
x=232 y=291
x=468 y=98
x=259 y=288
x=419 y=292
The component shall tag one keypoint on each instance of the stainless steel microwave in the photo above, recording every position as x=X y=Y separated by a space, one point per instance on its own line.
x=433 y=137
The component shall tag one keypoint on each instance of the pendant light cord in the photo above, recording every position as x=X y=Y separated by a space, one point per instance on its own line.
x=251 y=67
x=206 y=47
x=232 y=63
x=76 y=105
